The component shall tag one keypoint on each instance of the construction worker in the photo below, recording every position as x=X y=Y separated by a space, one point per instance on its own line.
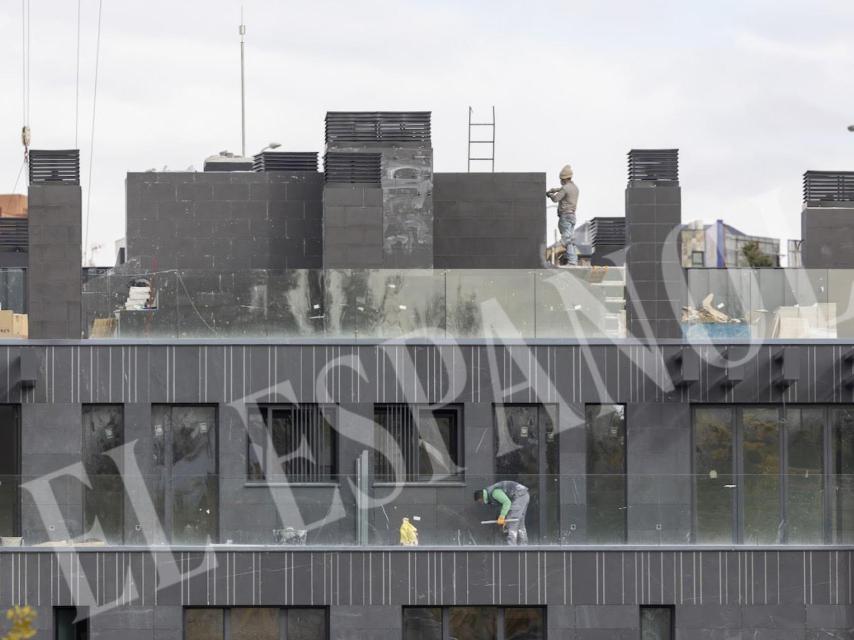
x=513 y=498
x=566 y=197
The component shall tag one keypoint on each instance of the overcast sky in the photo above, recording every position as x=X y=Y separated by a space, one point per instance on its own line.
x=752 y=92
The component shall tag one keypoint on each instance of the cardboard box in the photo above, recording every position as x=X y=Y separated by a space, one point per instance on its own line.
x=20 y=325
x=13 y=206
x=103 y=328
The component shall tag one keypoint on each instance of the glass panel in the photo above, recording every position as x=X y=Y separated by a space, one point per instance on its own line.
x=303 y=445
x=842 y=456
x=194 y=473
x=473 y=623
x=438 y=444
x=804 y=476
x=160 y=429
x=656 y=623
x=385 y=303
x=606 y=473
x=103 y=430
x=761 y=485
x=255 y=623
x=410 y=451
x=10 y=452
x=524 y=624
x=713 y=469
x=422 y=623
x=840 y=308
x=582 y=302
x=307 y=624
x=517 y=443
x=203 y=624
x=490 y=303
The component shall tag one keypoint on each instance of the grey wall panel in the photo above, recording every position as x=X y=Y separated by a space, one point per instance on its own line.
x=224 y=221
x=828 y=237
x=54 y=273
x=489 y=220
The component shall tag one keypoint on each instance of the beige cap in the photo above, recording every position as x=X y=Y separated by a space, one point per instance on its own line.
x=566 y=173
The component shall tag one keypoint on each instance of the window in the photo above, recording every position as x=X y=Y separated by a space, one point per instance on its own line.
x=606 y=473
x=772 y=474
x=255 y=623
x=295 y=443
x=474 y=623
x=656 y=623
x=417 y=444
x=185 y=455
x=526 y=451
x=71 y=623
x=698 y=258
x=10 y=465
x=103 y=501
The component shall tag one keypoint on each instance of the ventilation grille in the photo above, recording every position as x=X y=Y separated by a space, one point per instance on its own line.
x=55 y=166
x=285 y=161
x=407 y=127
x=353 y=168
x=608 y=231
x=14 y=235
x=829 y=186
x=654 y=165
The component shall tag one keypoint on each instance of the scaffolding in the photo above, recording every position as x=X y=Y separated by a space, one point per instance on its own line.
x=489 y=144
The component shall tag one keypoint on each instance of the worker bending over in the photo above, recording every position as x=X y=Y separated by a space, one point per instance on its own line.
x=513 y=498
x=566 y=197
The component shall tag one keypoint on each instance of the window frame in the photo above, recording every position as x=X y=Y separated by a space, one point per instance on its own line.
x=328 y=413
x=168 y=521
x=625 y=471
x=283 y=618
x=500 y=630
x=456 y=479
x=737 y=448
x=670 y=608
x=122 y=506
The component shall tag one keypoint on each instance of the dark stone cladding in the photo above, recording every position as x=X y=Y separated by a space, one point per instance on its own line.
x=54 y=283
x=489 y=220
x=587 y=593
x=222 y=221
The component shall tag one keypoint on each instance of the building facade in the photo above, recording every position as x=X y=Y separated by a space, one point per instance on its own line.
x=235 y=455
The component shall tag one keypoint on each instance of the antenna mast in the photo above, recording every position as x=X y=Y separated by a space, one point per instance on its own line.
x=242 y=31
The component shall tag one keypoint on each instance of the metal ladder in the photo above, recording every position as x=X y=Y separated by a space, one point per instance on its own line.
x=490 y=158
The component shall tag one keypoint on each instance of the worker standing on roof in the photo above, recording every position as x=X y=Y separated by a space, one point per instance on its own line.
x=513 y=498
x=566 y=197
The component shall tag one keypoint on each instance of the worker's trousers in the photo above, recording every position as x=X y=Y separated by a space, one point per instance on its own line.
x=566 y=226
x=515 y=533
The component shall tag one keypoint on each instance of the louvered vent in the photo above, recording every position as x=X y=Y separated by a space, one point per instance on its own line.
x=389 y=127
x=55 y=166
x=285 y=161
x=829 y=186
x=14 y=235
x=353 y=168
x=608 y=231
x=654 y=165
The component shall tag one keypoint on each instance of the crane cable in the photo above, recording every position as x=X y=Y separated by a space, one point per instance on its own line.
x=25 y=79
x=92 y=138
x=77 y=88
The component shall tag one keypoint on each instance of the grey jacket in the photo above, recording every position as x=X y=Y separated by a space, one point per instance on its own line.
x=566 y=198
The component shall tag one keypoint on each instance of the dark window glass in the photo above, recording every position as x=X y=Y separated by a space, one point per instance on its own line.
x=70 y=623
x=524 y=623
x=422 y=623
x=714 y=481
x=473 y=623
x=526 y=451
x=656 y=623
x=606 y=473
x=805 y=475
x=417 y=445
x=186 y=488
x=761 y=483
x=203 y=624
x=254 y=623
x=842 y=462
x=103 y=430
x=294 y=444
x=306 y=624
x=10 y=455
